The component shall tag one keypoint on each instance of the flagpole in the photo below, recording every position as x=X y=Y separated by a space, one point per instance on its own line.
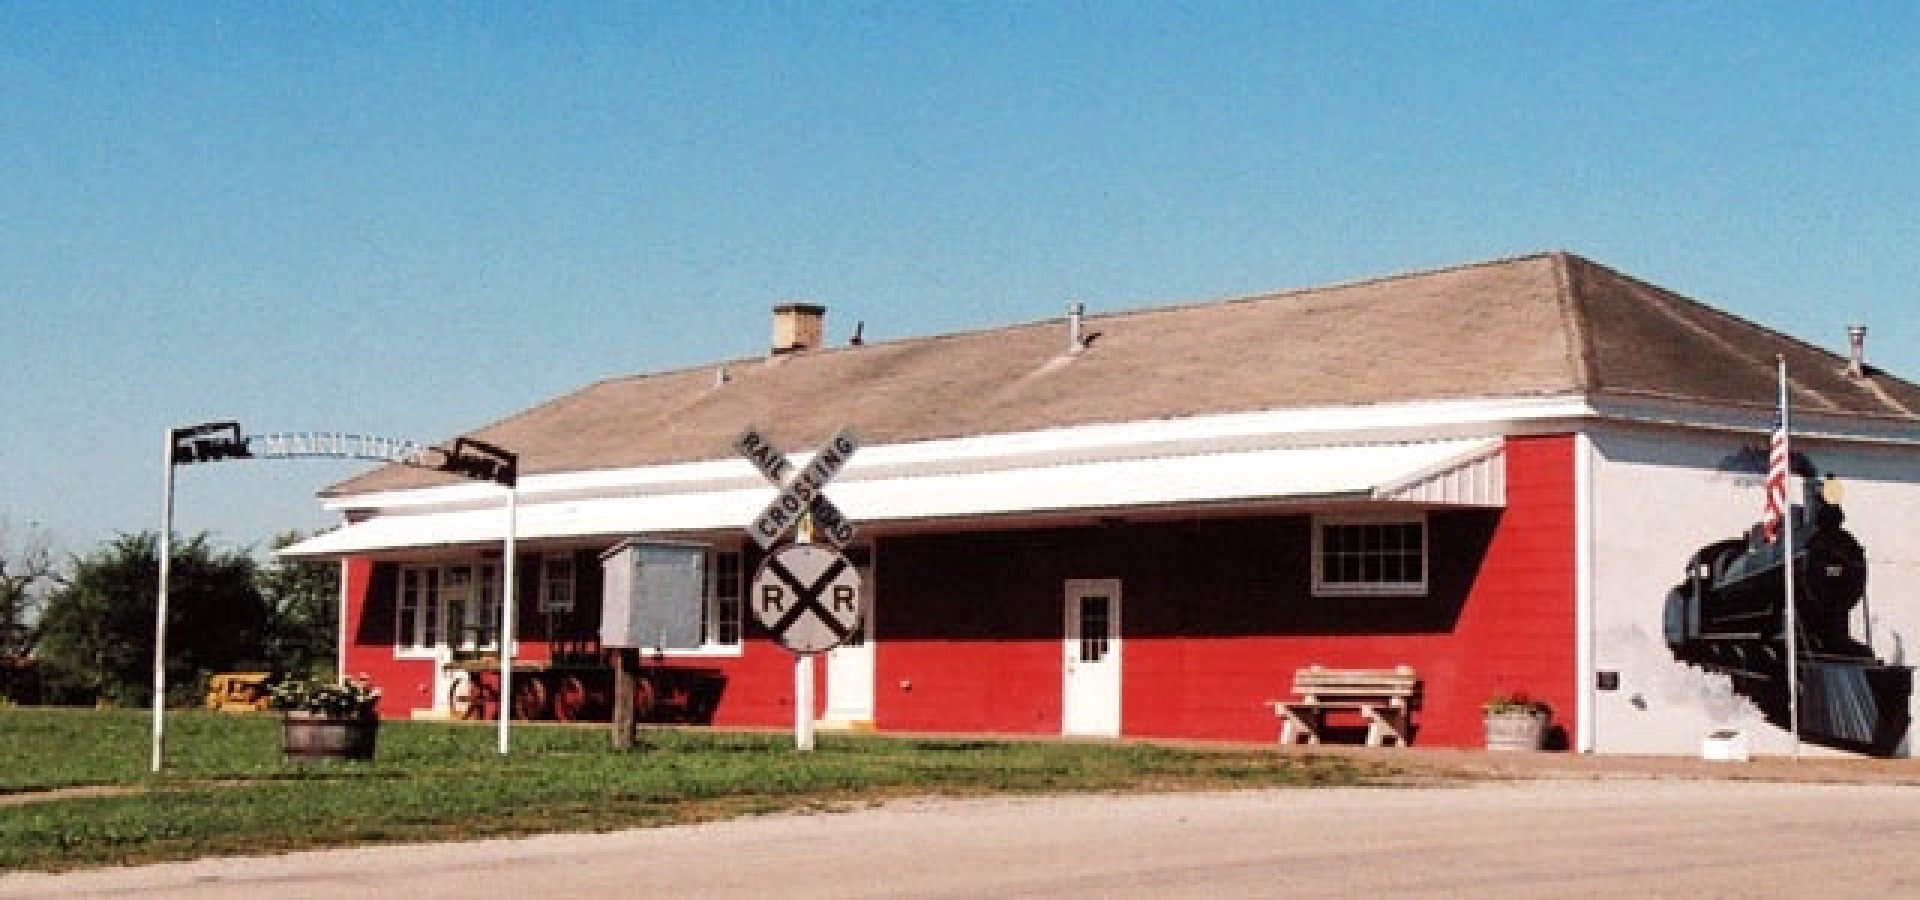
x=1792 y=617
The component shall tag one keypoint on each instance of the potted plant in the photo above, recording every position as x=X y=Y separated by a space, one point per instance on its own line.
x=324 y=720
x=1516 y=721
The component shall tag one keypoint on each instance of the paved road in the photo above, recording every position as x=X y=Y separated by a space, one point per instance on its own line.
x=1615 y=838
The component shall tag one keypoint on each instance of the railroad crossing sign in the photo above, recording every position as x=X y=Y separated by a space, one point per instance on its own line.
x=801 y=490
x=809 y=597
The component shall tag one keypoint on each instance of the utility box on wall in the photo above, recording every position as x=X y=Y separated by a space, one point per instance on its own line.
x=654 y=593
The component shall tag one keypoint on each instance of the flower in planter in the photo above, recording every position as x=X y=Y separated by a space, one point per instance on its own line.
x=355 y=698
x=1514 y=704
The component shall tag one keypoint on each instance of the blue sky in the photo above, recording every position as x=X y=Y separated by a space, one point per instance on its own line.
x=413 y=219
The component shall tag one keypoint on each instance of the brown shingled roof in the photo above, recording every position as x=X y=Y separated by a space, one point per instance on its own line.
x=1545 y=325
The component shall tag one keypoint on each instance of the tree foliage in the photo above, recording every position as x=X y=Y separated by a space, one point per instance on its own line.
x=97 y=637
x=28 y=572
x=303 y=599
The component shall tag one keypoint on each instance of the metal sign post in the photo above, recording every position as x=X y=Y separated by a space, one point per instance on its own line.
x=160 y=610
x=803 y=702
x=508 y=600
x=807 y=595
x=215 y=441
x=205 y=442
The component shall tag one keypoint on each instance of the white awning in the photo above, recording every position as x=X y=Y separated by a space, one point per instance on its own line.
x=1452 y=473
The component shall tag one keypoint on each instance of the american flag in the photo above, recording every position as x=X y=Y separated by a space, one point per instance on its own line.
x=1777 y=456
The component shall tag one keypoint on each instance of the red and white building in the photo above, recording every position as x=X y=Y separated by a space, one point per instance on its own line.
x=1143 y=523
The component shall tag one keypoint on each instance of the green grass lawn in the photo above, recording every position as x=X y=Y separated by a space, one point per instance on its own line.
x=226 y=791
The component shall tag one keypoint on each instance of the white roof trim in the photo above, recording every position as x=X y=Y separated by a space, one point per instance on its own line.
x=1225 y=433
x=1222 y=433
x=1470 y=479
x=1453 y=472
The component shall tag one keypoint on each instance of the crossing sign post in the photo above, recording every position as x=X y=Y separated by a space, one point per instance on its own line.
x=807 y=595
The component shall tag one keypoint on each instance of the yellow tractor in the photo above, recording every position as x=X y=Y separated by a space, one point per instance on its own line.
x=238 y=691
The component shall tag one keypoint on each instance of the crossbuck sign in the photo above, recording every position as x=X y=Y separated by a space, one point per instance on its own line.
x=801 y=490
x=808 y=596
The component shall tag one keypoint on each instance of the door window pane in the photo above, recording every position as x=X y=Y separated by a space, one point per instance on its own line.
x=1095 y=624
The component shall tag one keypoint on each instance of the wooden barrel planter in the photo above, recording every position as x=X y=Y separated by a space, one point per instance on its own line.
x=307 y=737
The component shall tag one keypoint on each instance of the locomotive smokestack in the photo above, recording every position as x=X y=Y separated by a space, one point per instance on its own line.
x=1857 y=351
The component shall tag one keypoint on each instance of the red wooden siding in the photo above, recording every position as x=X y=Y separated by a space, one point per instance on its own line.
x=1518 y=632
x=404 y=684
x=1217 y=614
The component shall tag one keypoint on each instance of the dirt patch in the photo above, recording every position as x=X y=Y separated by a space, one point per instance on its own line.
x=69 y=793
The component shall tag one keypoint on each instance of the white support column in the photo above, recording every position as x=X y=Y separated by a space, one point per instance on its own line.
x=1584 y=616
x=340 y=623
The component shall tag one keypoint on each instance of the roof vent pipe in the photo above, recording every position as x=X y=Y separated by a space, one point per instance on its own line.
x=1076 y=327
x=1857 y=351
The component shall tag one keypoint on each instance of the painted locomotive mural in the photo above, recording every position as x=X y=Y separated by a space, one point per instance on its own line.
x=1727 y=616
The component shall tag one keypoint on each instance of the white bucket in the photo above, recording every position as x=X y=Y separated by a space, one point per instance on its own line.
x=1725 y=745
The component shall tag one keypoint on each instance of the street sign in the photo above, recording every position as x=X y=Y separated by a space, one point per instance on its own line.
x=809 y=597
x=802 y=490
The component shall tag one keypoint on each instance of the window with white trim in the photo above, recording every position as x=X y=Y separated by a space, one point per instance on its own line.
x=556 y=583
x=483 y=629
x=720 y=618
x=1360 y=555
x=453 y=605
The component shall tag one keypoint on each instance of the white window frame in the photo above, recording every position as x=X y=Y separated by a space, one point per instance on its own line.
x=416 y=603
x=721 y=613
x=725 y=613
x=1323 y=586
x=559 y=583
x=430 y=634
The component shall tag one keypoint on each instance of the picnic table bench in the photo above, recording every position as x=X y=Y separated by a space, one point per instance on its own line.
x=1383 y=698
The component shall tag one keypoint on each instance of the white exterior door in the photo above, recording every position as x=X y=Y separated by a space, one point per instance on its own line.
x=1090 y=703
x=850 y=671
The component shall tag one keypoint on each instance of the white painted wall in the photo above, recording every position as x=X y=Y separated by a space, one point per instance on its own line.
x=1659 y=494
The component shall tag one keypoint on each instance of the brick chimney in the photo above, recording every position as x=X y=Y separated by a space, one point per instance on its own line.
x=798 y=327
